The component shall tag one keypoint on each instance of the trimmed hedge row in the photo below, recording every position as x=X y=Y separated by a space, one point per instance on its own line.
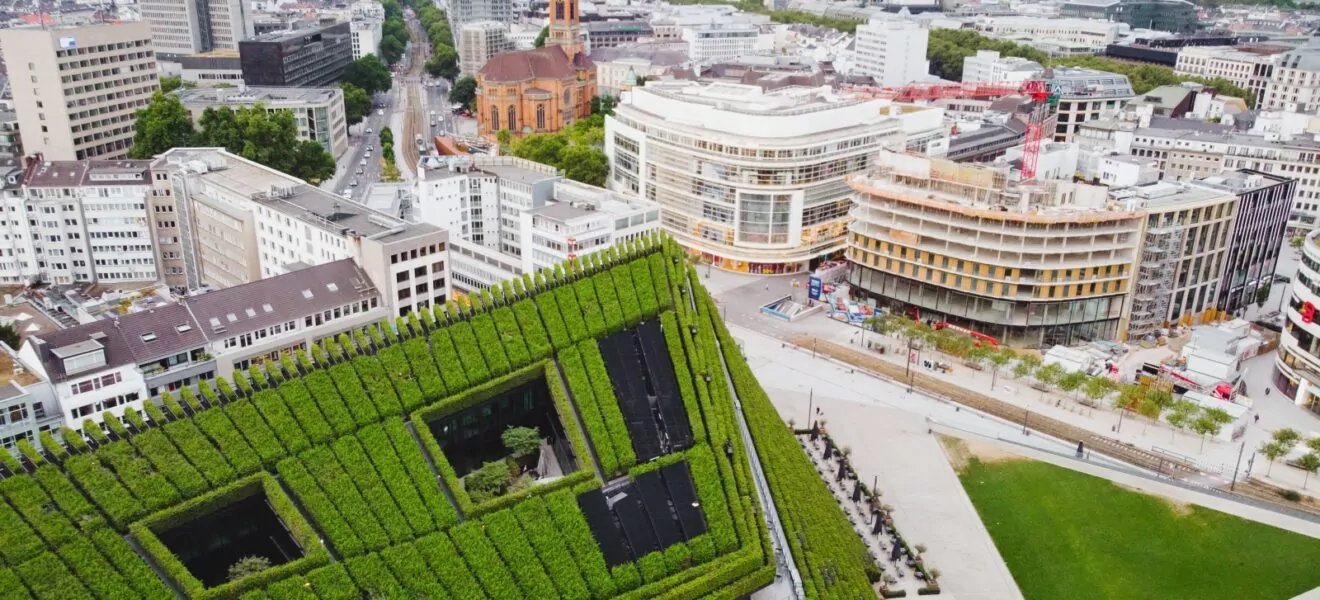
x=129 y=564
x=623 y=287
x=448 y=362
x=448 y=566
x=372 y=488
x=470 y=353
x=70 y=501
x=95 y=571
x=373 y=577
x=377 y=448
x=577 y=537
x=330 y=476
x=398 y=371
x=221 y=431
x=488 y=344
x=550 y=548
x=575 y=320
x=18 y=542
x=276 y=413
x=576 y=373
x=686 y=384
x=410 y=569
x=547 y=309
x=248 y=421
x=103 y=488
x=511 y=337
x=321 y=508
x=199 y=451
x=322 y=388
x=156 y=447
x=378 y=385
x=139 y=475
x=354 y=394
x=823 y=542
x=533 y=330
x=49 y=579
x=298 y=398
x=11 y=587
x=314 y=553
x=424 y=481
x=33 y=503
x=643 y=285
x=507 y=536
x=609 y=301
x=484 y=561
x=706 y=476
x=608 y=403
x=332 y=582
x=423 y=366
x=660 y=280
x=593 y=310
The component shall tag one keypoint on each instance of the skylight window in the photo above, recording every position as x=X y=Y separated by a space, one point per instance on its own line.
x=149 y=336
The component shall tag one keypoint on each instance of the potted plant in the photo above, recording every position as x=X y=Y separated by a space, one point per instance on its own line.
x=921 y=549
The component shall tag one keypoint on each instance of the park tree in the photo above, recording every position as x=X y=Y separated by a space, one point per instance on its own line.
x=369 y=74
x=1309 y=462
x=1209 y=422
x=1049 y=374
x=162 y=125
x=357 y=103
x=464 y=91
x=10 y=336
x=248 y=565
x=1096 y=388
x=219 y=128
x=1273 y=451
x=1072 y=381
x=1181 y=415
x=521 y=441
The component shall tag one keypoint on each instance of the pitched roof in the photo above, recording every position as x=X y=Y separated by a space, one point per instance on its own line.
x=139 y=337
x=549 y=62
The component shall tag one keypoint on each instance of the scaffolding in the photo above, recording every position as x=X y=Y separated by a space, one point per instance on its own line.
x=1160 y=253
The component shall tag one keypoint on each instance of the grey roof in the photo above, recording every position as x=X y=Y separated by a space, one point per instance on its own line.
x=123 y=339
x=171 y=329
x=1165 y=96
x=266 y=302
x=78 y=173
x=665 y=55
x=561 y=211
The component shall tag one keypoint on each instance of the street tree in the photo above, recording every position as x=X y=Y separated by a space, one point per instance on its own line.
x=443 y=63
x=1288 y=437
x=1096 y=388
x=1049 y=374
x=357 y=103
x=169 y=83
x=391 y=48
x=999 y=357
x=369 y=73
x=1181 y=414
x=1025 y=365
x=311 y=163
x=464 y=91
x=1309 y=462
x=1072 y=381
x=1209 y=422
x=1272 y=450
x=162 y=125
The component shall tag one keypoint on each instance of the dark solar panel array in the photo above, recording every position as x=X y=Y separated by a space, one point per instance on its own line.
x=655 y=498
x=678 y=480
x=625 y=369
x=603 y=528
x=661 y=370
x=657 y=511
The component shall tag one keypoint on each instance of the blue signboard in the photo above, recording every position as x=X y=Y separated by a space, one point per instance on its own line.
x=813 y=287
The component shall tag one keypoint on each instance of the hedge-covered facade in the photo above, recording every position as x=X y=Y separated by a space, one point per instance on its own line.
x=369 y=496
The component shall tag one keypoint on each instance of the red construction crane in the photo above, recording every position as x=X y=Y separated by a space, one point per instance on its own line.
x=1042 y=95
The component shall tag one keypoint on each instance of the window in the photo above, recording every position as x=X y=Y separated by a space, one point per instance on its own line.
x=401 y=277
x=494 y=118
x=540 y=116
x=513 y=119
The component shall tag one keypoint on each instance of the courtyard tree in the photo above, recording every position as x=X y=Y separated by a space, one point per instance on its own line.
x=521 y=441
x=248 y=565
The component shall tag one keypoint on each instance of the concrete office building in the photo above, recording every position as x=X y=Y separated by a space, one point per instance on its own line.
x=478 y=42
x=1297 y=365
x=11 y=140
x=77 y=222
x=366 y=34
x=1184 y=248
x=1264 y=201
x=987 y=66
x=1295 y=82
x=1088 y=33
x=463 y=12
x=313 y=57
x=891 y=51
x=1248 y=70
x=1044 y=264
x=318 y=113
x=611 y=34
x=1176 y=16
x=242 y=222
x=180 y=28
x=216 y=68
x=81 y=87
x=748 y=179
x=1086 y=95
x=714 y=42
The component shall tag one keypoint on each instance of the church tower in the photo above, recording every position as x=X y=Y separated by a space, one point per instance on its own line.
x=564 y=27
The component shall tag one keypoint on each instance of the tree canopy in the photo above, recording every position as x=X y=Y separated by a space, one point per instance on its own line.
x=464 y=91
x=162 y=125
x=357 y=103
x=539 y=42
x=394 y=33
x=444 y=59
x=577 y=150
x=368 y=74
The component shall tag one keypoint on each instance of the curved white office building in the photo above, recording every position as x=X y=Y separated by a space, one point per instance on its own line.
x=750 y=179
x=1297 y=365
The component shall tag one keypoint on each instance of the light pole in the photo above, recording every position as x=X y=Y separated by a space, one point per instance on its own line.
x=1121 y=412
x=1236 y=465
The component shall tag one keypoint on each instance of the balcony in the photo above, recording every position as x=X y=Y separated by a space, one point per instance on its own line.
x=177 y=367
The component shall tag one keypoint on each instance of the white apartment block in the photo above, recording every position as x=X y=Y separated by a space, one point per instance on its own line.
x=891 y=51
x=1294 y=85
x=1087 y=95
x=748 y=179
x=77 y=90
x=67 y=222
x=318 y=113
x=366 y=34
x=242 y=222
x=510 y=216
x=1184 y=155
x=714 y=42
x=1248 y=70
x=27 y=402
x=478 y=42
x=1084 y=32
x=109 y=365
x=989 y=67
x=182 y=27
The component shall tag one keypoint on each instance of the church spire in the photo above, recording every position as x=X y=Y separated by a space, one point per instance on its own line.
x=564 y=27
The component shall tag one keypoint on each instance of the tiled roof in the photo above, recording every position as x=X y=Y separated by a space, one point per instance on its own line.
x=139 y=337
x=549 y=62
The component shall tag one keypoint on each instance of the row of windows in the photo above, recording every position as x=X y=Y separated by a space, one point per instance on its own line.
x=107 y=404
x=96 y=383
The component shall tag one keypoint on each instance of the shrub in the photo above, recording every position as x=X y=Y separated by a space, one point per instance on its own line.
x=373 y=577
x=319 y=506
x=471 y=356
x=32 y=502
x=48 y=578
x=424 y=481
x=127 y=561
x=410 y=569
x=623 y=288
x=571 y=310
x=324 y=467
x=576 y=373
x=447 y=361
x=536 y=524
x=645 y=288
x=398 y=372
x=138 y=475
x=576 y=534
x=157 y=448
x=488 y=340
x=323 y=392
x=248 y=565
x=429 y=380
x=609 y=405
x=377 y=447
x=448 y=566
x=653 y=567
x=70 y=501
x=626 y=577
x=332 y=582
x=369 y=484
x=254 y=428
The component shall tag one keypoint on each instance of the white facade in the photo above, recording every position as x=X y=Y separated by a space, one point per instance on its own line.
x=478 y=42
x=892 y=51
x=715 y=42
x=79 y=222
x=1297 y=367
x=750 y=180
x=1247 y=70
x=1123 y=171
x=584 y=220
x=1087 y=32
x=987 y=66
x=1295 y=83
x=366 y=36
x=182 y=27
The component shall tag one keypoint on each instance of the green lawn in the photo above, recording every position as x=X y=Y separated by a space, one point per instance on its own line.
x=1066 y=535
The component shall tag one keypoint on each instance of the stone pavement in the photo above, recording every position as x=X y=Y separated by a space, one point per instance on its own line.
x=885 y=427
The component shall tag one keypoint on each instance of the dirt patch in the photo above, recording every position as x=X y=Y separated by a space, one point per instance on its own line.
x=1179 y=509
x=961 y=451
